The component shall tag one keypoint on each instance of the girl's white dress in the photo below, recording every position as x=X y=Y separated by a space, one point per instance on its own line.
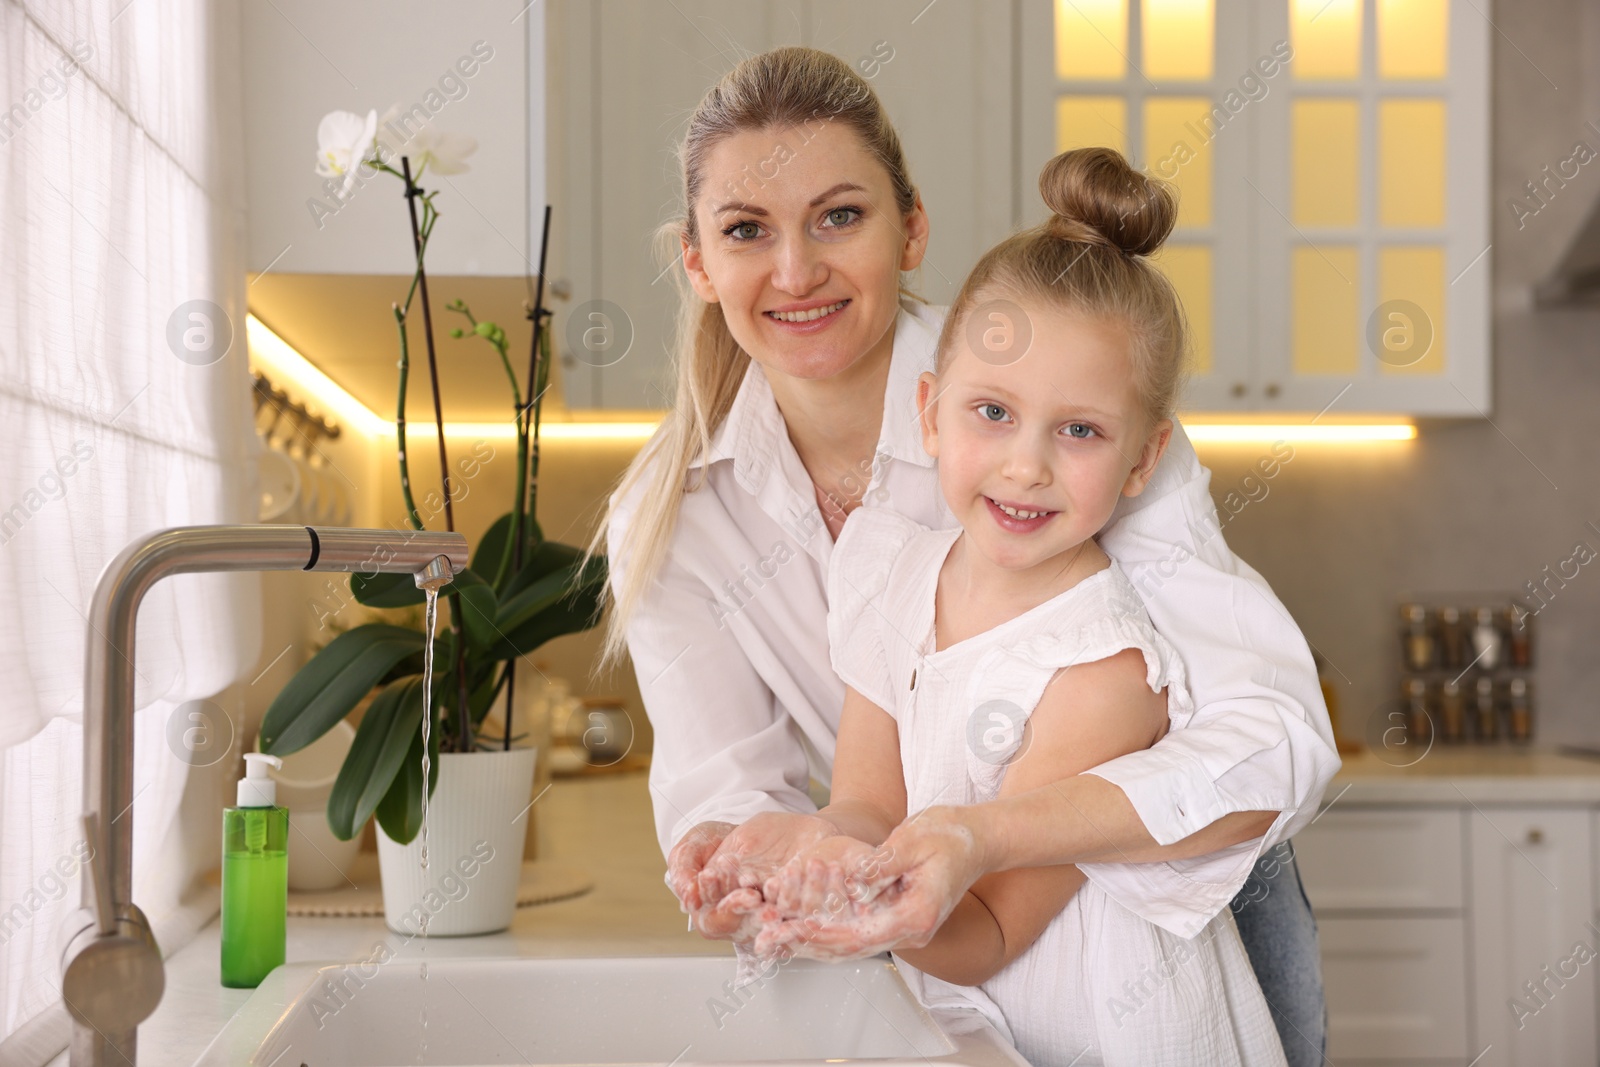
x=1101 y=985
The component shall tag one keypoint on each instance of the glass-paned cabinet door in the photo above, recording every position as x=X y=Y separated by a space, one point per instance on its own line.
x=1372 y=213
x=1332 y=162
x=1170 y=84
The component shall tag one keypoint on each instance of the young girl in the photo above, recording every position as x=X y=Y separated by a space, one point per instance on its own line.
x=1011 y=652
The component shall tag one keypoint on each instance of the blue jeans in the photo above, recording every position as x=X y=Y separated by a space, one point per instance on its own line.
x=1280 y=936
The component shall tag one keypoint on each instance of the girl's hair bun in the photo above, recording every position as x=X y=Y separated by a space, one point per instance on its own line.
x=1096 y=198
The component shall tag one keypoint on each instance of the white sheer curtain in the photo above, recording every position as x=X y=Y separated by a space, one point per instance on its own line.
x=120 y=204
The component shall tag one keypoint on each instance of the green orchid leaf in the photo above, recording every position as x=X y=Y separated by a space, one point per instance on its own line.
x=386 y=590
x=382 y=741
x=574 y=608
x=479 y=606
x=332 y=683
x=562 y=577
x=400 y=810
x=491 y=548
x=546 y=558
x=482 y=696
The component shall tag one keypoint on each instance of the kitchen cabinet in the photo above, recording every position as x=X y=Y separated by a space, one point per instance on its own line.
x=1331 y=156
x=625 y=78
x=1532 y=873
x=1441 y=892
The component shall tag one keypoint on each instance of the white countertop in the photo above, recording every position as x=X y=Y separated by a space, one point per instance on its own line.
x=1462 y=774
x=601 y=823
x=604 y=824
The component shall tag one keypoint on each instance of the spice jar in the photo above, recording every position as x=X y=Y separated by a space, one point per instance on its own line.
x=1452 y=713
x=1521 y=716
x=1452 y=639
x=1485 y=721
x=1487 y=643
x=1416 y=639
x=1519 y=631
x=1419 y=725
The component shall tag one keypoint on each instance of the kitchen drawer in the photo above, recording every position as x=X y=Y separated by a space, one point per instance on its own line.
x=1396 y=988
x=1381 y=859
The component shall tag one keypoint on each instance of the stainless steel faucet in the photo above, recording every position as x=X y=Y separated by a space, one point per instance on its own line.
x=111 y=971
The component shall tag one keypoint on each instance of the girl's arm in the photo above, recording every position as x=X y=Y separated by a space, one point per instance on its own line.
x=867 y=798
x=1090 y=712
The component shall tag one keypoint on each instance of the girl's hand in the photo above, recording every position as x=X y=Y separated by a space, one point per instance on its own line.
x=813 y=883
x=896 y=900
x=727 y=888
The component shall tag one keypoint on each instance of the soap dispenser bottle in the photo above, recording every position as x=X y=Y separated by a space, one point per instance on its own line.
x=255 y=877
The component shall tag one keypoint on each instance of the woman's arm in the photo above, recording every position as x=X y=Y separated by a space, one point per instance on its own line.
x=1089 y=713
x=724 y=751
x=1259 y=739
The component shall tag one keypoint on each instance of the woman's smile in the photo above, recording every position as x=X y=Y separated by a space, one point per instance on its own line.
x=809 y=317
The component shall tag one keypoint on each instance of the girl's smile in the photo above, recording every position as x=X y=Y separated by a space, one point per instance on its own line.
x=1017 y=519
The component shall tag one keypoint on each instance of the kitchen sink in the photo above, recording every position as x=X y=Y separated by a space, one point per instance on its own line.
x=657 y=1010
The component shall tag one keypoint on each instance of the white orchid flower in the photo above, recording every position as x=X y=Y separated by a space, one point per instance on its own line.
x=345 y=140
x=427 y=146
x=445 y=152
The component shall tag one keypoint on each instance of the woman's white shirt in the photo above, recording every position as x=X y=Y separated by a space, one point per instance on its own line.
x=730 y=644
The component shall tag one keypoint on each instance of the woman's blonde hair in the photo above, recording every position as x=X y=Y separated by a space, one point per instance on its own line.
x=781 y=89
x=1090 y=257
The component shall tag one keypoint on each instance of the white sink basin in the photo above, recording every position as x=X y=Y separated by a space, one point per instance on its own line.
x=662 y=1010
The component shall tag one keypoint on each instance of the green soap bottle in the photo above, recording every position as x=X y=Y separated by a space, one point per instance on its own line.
x=255 y=877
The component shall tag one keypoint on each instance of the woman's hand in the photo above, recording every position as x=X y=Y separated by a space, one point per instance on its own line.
x=688 y=858
x=726 y=887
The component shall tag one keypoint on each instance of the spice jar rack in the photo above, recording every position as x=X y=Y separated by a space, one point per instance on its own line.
x=1466 y=671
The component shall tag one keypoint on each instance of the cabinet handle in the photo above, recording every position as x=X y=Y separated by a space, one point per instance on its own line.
x=1535 y=836
x=1238 y=389
x=1272 y=389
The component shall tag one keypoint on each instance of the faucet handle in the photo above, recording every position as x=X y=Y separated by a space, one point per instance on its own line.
x=99 y=875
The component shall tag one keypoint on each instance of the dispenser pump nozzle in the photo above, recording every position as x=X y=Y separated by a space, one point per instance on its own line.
x=256 y=788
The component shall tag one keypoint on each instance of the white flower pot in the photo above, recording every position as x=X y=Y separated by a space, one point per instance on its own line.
x=476 y=828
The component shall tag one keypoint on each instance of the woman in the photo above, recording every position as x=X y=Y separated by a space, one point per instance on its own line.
x=797 y=360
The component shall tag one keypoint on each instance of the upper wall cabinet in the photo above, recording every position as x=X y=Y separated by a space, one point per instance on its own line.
x=460 y=68
x=625 y=77
x=1332 y=161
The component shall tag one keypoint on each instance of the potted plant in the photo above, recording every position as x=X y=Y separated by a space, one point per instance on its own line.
x=518 y=592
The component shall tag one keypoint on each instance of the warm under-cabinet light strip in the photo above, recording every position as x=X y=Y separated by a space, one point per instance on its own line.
x=288 y=365
x=281 y=360
x=1299 y=433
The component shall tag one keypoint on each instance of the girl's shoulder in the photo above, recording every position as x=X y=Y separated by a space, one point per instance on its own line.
x=1097 y=618
x=872 y=528
x=874 y=540
x=878 y=555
